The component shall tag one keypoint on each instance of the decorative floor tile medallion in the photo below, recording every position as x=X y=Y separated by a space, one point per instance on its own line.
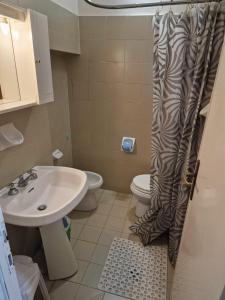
x=134 y=271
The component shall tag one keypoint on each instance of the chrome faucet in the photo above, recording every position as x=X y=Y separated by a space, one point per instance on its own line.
x=32 y=174
x=24 y=182
x=12 y=189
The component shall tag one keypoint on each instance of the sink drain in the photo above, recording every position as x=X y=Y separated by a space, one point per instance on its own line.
x=42 y=207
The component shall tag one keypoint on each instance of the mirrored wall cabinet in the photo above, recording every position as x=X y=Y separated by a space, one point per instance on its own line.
x=25 y=65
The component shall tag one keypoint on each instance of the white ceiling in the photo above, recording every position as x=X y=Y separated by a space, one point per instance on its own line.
x=71 y=5
x=79 y=7
x=87 y=10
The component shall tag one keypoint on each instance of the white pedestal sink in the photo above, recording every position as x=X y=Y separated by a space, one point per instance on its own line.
x=43 y=203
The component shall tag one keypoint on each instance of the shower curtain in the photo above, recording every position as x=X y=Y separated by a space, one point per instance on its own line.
x=186 y=56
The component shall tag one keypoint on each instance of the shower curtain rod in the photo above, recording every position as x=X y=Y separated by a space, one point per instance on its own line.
x=149 y=4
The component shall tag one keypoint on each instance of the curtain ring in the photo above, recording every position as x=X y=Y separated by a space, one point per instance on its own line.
x=159 y=9
x=189 y=6
x=170 y=4
x=161 y=5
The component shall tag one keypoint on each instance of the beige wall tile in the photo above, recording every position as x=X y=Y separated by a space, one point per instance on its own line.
x=138 y=73
x=129 y=27
x=119 y=103
x=93 y=27
x=84 y=49
x=80 y=90
x=122 y=91
x=114 y=50
x=99 y=90
x=79 y=69
x=138 y=27
x=60 y=132
x=116 y=27
x=106 y=72
x=80 y=116
x=106 y=50
x=80 y=124
x=136 y=91
x=138 y=51
x=107 y=91
x=95 y=49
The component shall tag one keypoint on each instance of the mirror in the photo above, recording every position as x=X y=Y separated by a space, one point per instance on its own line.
x=9 y=86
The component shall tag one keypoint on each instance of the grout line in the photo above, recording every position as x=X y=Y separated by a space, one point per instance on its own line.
x=99 y=236
x=87 y=242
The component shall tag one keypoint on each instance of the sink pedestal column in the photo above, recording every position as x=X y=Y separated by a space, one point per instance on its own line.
x=60 y=258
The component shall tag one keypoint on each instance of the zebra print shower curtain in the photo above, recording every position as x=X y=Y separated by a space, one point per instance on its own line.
x=186 y=56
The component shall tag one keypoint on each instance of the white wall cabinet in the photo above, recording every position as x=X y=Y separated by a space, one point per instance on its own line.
x=39 y=25
x=30 y=44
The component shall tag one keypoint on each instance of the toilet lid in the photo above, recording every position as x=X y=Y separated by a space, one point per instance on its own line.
x=142 y=183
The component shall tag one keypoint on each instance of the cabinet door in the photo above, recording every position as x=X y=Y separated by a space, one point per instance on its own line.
x=39 y=27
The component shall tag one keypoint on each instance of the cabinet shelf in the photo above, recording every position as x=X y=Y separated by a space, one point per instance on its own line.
x=15 y=105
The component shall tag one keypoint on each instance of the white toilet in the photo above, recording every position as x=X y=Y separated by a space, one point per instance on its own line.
x=140 y=188
x=89 y=201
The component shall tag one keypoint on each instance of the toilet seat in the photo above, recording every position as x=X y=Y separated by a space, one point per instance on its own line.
x=94 y=180
x=140 y=188
x=141 y=184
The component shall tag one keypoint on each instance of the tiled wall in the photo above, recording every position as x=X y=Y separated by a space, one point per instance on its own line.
x=111 y=97
x=58 y=111
x=44 y=127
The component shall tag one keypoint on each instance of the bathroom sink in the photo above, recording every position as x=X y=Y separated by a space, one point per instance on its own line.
x=43 y=203
x=54 y=194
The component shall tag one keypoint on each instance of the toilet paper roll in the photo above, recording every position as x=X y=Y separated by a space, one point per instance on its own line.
x=10 y=136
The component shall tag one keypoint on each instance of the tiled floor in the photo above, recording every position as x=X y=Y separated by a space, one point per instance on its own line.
x=92 y=234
